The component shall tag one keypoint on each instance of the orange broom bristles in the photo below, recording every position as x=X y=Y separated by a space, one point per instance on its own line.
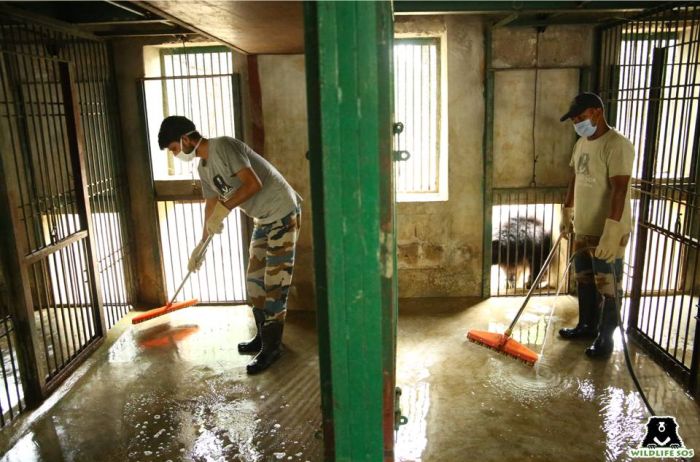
x=154 y=313
x=502 y=343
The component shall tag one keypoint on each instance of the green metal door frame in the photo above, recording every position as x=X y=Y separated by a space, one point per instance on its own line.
x=348 y=65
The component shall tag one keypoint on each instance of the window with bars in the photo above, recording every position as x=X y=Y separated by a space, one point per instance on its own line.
x=198 y=83
x=419 y=106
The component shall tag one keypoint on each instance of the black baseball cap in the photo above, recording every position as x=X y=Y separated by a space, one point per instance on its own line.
x=582 y=102
x=172 y=128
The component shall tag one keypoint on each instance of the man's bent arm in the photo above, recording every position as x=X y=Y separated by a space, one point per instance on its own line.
x=250 y=185
x=569 y=201
x=618 y=196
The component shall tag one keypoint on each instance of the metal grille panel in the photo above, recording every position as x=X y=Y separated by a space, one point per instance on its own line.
x=222 y=276
x=649 y=79
x=11 y=390
x=63 y=308
x=107 y=188
x=525 y=227
x=199 y=84
x=39 y=66
x=53 y=216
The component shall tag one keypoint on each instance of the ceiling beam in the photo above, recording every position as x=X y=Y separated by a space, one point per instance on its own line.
x=122 y=22
x=173 y=19
x=145 y=33
x=507 y=20
x=407 y=7
x=125 y=7
x=561 y=21
x=53 y=23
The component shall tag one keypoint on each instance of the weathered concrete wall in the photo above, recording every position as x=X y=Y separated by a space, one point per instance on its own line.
x=283 y=88
x=129 y=67
x=516 y=102
x=440 y=243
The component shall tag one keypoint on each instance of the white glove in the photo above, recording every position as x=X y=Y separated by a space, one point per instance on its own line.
x=197 y=257
x=215 y=223
x=609 y=244
x=566 y=224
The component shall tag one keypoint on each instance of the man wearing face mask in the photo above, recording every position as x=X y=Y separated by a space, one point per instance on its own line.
x=233 y=175
x=597 y=210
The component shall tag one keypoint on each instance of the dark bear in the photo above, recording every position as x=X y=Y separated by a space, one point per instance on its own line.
x=662 y=432
x=520 y=241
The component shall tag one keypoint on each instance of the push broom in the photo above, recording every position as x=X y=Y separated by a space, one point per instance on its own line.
x=503 y=343
x=172 y=306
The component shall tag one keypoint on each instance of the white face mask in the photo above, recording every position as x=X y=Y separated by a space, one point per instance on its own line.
x=188 y=156
x=585 y=128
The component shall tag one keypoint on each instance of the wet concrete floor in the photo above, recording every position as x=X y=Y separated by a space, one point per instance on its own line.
x=176 y=389
x=466 y=402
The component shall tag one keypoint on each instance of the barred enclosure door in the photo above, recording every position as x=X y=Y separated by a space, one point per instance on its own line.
x=46 y=221
x=650 y=80
x=526 y=167
x=198 y=83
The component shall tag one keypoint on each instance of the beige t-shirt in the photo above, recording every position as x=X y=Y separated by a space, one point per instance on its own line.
x=594 y=162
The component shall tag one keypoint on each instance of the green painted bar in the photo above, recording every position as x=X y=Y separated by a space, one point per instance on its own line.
x=348 y=73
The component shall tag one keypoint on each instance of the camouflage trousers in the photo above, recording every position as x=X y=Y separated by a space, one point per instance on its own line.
x=591 y=270
x=271 y=263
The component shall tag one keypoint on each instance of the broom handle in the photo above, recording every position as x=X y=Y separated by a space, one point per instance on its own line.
x=534 y=284
x=182 y=284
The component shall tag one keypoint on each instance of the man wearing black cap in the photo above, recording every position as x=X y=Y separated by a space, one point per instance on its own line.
x=597 y=210
x=233 y=175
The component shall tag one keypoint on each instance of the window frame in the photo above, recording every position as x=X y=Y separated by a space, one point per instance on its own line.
x=441 y=193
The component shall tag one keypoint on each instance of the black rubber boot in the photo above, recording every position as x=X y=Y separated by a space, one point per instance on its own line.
x=603 y=345
x=253 y=345
x=588 y=311
x=271 y=334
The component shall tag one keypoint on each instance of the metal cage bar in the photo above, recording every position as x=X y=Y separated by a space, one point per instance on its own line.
x=12 y=401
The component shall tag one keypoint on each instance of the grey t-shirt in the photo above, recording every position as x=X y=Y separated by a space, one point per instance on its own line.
x=227 y=157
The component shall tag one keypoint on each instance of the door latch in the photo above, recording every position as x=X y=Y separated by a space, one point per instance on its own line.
x=400 y=155
x=398 y=418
